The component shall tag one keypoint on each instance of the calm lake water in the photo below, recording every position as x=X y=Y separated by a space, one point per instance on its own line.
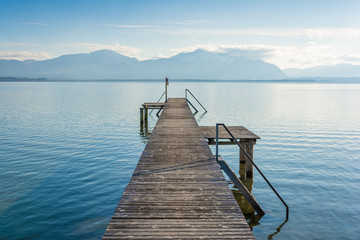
x=68 y=150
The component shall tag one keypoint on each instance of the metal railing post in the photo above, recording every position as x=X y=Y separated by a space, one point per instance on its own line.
x=186 y=91
x=217 y=142
x=192 y=106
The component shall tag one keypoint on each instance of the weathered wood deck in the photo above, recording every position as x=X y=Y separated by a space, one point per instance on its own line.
x=153 y=105
x=177 y=189
x=241 y=133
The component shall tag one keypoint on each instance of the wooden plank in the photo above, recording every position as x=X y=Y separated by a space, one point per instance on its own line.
x=154 y=104
x=177 y=189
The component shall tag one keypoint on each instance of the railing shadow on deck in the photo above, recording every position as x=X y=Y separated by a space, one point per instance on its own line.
x=190 y=165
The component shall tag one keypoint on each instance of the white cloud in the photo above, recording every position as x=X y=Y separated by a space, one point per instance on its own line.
x=305 y=56
x=158 y=56
x=211 y=47
x=301 y=56
x=352 y=58
x=188 y=31
x=156 y=27
x=34 y=23
x=18 y=44
x=305 y=47
x=298 y=56
x=116 y=47
x=188 y=22
x=129 y=26
x=314 y=33
x=23 y=55
x=311 y=56
x=331 y=32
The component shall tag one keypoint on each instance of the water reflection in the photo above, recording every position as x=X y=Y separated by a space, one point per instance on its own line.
x=145 y=133
x=277 y=230
x=249 y=212
x=251 y=216
x=198 y=118
x=145 y=128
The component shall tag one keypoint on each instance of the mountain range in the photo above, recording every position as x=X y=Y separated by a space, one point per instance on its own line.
x=200 y=64
x=339 y=70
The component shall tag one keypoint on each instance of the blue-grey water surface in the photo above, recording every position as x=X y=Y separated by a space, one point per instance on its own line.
x=68 y=150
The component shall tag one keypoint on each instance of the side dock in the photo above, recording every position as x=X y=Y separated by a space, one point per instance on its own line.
x=178 y=189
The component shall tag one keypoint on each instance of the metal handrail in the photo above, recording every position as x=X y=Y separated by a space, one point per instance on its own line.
x=250 y=159
x=157 y=102
x=186 y=91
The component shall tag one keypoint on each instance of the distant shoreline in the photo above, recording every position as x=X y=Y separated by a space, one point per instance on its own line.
x=290 y=80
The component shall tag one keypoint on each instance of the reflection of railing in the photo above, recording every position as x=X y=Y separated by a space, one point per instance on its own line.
x=188 y=91
x=157 y=102
x=250 y=159
x=244 y=191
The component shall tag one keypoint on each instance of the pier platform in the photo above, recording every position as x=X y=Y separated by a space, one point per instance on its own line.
x=242 y=134
x=177 y=190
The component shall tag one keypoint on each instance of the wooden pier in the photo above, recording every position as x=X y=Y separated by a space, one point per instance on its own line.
x=177 y=190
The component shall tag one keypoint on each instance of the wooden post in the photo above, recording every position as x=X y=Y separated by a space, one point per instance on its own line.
x=242 y=161
x=141 y=119
x=242 y=156
x=166 y=84
x=146 y=121
x=242 y=171
x=248 y=182
x=146 y=115
x=246 y=166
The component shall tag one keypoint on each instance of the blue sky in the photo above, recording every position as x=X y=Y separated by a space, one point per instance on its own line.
x=287 y=33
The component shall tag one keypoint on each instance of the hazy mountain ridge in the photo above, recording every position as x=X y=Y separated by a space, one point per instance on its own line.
x=200 y=64
x=339 y=70
x=105 y=64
